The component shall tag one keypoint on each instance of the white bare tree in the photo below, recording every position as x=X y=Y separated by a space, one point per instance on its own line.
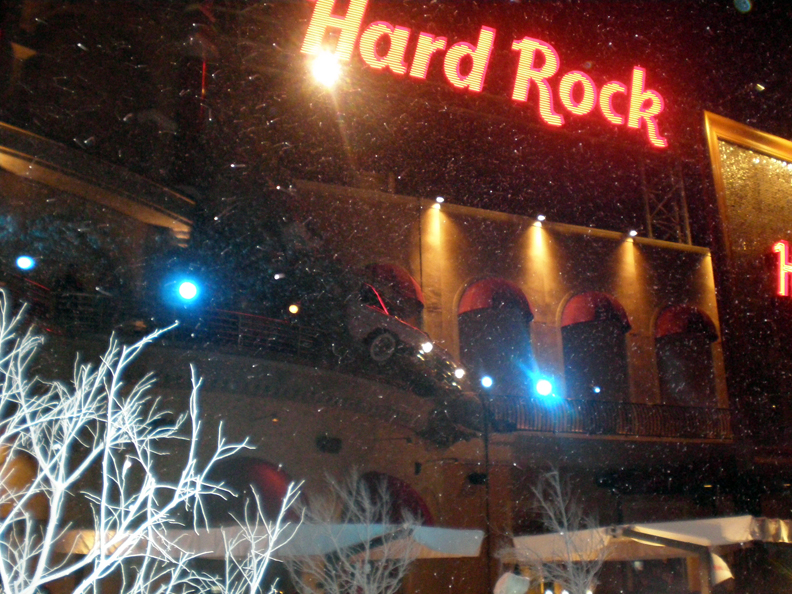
x=371 y=549
x=98 y=443
x=574 y=558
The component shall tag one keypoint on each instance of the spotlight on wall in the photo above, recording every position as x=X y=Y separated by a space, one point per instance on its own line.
x=25 y=263
x=544 y=387
x=188 y=290
x=326 y=69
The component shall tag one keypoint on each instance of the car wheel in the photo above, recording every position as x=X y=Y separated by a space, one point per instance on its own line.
x=382 y=346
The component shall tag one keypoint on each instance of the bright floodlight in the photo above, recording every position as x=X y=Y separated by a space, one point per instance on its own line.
x=544 y=387
x=25 y=262
x=486 y=381
x=633 y=232
x=294 y=309
x=540 y=218
x=188 y=290
x=459 y=373
x=326 y=69
x=427 y=347
x=440 y=199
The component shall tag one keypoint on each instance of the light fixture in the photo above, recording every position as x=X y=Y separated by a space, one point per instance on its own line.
x=25 y=263
x=540 y=218
x=427 y=347
x=486 y=381
x=436 y=206
x=294 y=309
x=326 y=70
x=279 y=275
x=633 y=233
x=439 y=199
x=188 y=290
x=459 y=373
x=544 y=387
x=596 y=389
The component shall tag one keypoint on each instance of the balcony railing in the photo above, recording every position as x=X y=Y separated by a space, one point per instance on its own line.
x=593 y=417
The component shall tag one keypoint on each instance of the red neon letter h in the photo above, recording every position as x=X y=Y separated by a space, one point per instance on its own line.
x=784 y=267
x=322 y=19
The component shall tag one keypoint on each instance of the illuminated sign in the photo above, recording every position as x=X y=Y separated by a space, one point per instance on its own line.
x=784 y=267
x=538 y=63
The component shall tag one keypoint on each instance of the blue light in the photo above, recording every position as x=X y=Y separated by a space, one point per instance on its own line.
x=486 y=381
x=597 y=389
x=25 y=262
x=544 y=387
x=188 y=290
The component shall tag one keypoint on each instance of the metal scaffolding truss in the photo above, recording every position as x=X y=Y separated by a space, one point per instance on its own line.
x=665 y=202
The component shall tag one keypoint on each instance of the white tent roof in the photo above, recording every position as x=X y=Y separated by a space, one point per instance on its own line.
x=661 y=540
x=423 y=542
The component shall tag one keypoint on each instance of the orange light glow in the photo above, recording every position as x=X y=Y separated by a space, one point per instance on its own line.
x=606 y=101
x=480 y=55
x=784 y=267
x=527 y=73
x=323 y=19
x=638 y=97
x=427 y=45
x=398 y=46
x=567 y=85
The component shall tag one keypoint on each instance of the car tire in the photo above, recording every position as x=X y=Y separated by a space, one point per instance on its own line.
x=382 y=346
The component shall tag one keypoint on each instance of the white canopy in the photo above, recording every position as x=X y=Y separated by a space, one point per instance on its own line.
x=661 y=540
x=423 y=542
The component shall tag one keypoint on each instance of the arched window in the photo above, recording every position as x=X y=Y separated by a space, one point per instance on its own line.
x=593 y=326
x=403 y=501
x=683 y=339
x=401 y=292
x=495 y=334
x=243 y=475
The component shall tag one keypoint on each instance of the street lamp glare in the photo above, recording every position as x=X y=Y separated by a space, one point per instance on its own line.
x=25 y=263
x=486 y=381
x=188 y=290
x=326 y=70
x=544 y=387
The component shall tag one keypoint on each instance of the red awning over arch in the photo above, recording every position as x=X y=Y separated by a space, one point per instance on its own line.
x=594 y=306
x=397 y=279
x=685 y=319
x=240 y=474
x=403 y=497
x=493 y=293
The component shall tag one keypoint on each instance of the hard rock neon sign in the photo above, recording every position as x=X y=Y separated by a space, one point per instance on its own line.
x=577 y=92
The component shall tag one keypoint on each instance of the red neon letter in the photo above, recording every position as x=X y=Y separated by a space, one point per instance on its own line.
x=784 y=267
x=568 y=82
x=427 y=45
x=480 y=54
x=639 y=96
x=322 y=19
x=606 y=101
x=398 y=45
x=526 y=73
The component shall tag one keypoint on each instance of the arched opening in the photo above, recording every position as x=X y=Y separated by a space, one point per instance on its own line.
x=402 y=500
x=495 y=335
x=244 y=475
x=593 y=326
x=683 y=339
x=400 y=291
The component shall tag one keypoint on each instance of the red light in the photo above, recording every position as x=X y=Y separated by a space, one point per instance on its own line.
x=527 y=73
x=606 y=101
x=784 y=267
x=638 y=97
x=480 y=55
x=427 y=45
x=398 y=46
x=323 y=19
x=565 y=88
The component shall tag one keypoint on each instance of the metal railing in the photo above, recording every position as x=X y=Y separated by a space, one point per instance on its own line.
x=594 y=417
